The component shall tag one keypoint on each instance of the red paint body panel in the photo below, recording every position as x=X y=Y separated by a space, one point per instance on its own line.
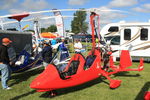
x=147 y=95
x=50 y=79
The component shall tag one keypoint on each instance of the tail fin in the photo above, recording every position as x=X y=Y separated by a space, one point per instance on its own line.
x=125 y=59
x=141 y=65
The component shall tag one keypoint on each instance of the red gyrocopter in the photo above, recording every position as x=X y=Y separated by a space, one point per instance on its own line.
x=80 y=70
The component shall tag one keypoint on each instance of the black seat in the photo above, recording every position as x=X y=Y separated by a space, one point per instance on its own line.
x=89 y=61
x=73 y=67
x=71 y=71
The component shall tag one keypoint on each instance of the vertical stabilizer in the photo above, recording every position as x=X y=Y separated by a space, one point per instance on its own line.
x=125 y=59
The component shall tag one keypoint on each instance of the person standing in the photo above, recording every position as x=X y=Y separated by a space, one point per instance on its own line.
x=77 y=46
x=53 y=42
x=46 y=54
x=4 y=63
x=64 y=54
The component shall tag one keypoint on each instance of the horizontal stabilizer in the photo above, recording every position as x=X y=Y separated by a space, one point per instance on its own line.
x=115 y=83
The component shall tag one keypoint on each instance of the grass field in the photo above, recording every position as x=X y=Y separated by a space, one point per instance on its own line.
x=133 y=86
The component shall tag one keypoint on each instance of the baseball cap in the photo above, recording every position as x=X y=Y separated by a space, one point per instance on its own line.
x=6 y=40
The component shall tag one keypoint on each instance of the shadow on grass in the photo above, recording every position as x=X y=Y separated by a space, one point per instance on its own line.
x=88 y=84
x=145 y=88
x=126 y=74
x=23 y=76
x=23 y=95
x=75 y=88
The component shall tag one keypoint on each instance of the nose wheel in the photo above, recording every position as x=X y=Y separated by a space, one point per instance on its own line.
x=52 y=93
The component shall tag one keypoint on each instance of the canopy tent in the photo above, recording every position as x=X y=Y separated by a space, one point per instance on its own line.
x=48 y=35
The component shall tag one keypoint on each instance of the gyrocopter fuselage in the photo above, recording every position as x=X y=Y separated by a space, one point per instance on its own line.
x=80 y=70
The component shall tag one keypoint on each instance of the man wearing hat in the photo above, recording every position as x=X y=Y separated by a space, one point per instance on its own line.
x=77 y=46
x=46 y=53
x=4 y=63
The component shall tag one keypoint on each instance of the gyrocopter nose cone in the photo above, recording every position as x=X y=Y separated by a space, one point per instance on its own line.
x=35 y=84
x=39 y=81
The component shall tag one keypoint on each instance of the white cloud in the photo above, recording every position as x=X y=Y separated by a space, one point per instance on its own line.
x=77 y=2
x=6 y=4
x=30 y=5
x=146 y=6
x=108 y=16
x=122 y=3
x=16 y=11
x=34 y=4
x=143 y=8
x=44 y=22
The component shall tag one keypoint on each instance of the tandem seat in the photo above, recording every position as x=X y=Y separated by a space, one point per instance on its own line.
x=75 y=65
x=89 y=61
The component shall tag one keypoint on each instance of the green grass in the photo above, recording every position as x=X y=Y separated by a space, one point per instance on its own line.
x=133 y=86
x=130 y=89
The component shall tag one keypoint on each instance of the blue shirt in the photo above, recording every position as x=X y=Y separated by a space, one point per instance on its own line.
x=53 y=42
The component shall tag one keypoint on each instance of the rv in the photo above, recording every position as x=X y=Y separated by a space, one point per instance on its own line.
x=134 y=37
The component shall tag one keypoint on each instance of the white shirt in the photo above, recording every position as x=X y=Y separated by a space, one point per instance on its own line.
x=78 y=47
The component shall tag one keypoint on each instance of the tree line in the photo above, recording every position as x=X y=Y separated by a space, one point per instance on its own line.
x=78 y=24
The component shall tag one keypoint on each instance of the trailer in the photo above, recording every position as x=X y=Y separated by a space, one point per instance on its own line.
x=20 y=41
x=134 y=37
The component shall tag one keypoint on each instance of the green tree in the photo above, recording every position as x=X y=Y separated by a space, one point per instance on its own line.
x=43 y=30
x=67 y=30
x=78 y=24
x=52 y=28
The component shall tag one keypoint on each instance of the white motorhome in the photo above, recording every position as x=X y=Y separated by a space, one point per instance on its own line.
x=134 y=37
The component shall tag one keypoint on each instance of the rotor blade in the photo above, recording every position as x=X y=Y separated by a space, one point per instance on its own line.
x=10 y=22
x=55 y=16
x=5 y=16
x=87 y=10
x=46 y=11
x=111 y=10
x=35 y=19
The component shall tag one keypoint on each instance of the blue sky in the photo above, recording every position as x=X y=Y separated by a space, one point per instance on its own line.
x=139 y=9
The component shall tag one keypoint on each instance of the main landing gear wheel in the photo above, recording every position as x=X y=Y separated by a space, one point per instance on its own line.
x=52 y=93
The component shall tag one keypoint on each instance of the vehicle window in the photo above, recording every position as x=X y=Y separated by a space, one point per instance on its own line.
x=115 y=40
x=108 y=38
x=127 y=34
x=144 y=34
x=113 y=29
